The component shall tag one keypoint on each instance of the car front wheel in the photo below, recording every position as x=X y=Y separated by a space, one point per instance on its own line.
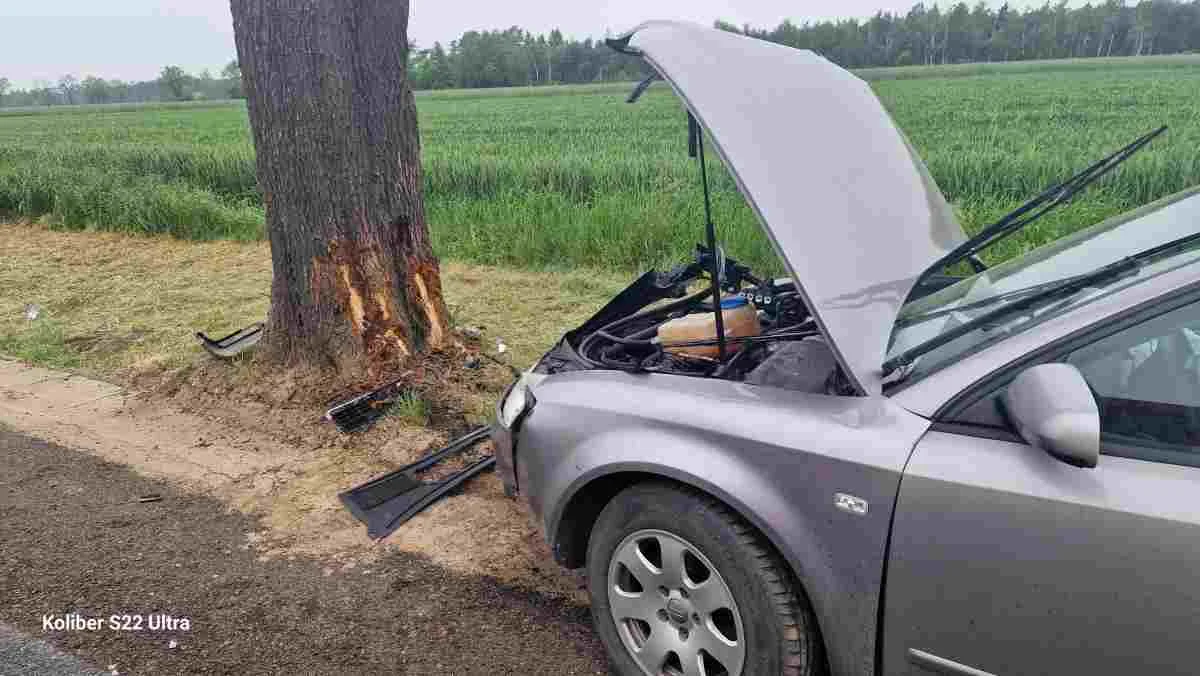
x=680 y=585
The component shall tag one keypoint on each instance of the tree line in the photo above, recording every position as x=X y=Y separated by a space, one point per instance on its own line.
x=926 y=34
x=513 y=57
x=172 y=84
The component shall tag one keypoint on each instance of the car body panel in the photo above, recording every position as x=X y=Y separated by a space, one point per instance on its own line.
x=846 y=201
x=1007 y=560
x=776 y=457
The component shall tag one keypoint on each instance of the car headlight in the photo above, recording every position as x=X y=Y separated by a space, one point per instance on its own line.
x=514 y=404
x=518 y=400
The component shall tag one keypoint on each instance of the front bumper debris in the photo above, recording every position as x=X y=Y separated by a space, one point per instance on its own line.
x=386 y=502
x=234 y=344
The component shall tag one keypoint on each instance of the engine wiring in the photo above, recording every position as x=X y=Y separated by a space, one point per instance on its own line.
x=631 y=343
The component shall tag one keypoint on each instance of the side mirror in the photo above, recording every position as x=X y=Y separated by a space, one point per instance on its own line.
x=1054 y=410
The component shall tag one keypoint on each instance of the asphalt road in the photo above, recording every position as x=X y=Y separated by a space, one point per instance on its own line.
x=25 y=655
x=77 y=542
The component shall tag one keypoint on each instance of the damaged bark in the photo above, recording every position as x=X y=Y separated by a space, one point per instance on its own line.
x=338 y=158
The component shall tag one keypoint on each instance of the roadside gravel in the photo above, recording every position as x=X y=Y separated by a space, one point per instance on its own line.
x=77 y=540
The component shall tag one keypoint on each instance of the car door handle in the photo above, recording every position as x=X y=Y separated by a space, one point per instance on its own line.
x=941 y=665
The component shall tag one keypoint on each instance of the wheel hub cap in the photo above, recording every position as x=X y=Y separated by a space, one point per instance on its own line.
x=680 y=611
x=673 y=611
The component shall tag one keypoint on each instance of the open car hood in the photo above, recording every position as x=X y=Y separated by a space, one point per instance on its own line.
x=844 y=198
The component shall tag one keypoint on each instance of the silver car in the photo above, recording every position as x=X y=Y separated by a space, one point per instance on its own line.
x=914 y=463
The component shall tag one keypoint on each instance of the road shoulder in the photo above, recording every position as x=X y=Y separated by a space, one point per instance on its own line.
x=79 y=541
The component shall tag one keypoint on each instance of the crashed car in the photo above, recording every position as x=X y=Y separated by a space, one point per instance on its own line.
x=910 y=462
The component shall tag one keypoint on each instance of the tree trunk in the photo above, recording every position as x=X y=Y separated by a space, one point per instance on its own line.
x=946 y=42
x=338 y=157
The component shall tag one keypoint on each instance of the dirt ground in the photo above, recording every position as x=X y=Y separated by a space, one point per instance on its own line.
x=77 y=540
x=285 y=466
x=253 y=473
x=124 y=309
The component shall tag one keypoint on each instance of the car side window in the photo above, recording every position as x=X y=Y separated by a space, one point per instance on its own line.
x=1147 y=384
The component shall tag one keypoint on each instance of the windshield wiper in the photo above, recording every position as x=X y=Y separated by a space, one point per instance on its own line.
x=1010 y=295
x=1035 y=208
x=1031 y=296
x=1062 y=287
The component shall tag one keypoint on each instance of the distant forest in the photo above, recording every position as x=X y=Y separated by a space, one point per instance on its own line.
x=929 y=35
x=173 y=84
x=924 y=35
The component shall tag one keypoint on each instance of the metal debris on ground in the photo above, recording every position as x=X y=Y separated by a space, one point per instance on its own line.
x=471 y=332
x=386 y=502
x=234 y=344
x=152 y=497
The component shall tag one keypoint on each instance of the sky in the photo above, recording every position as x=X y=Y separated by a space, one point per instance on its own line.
x=133 y=39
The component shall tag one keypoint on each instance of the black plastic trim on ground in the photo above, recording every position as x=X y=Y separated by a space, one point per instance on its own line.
x=360 y=412
x=386 y=502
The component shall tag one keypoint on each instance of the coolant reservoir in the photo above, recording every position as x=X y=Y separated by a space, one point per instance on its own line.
x=738 y=315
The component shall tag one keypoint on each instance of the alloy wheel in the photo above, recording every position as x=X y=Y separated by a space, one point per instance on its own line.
x=674 y=612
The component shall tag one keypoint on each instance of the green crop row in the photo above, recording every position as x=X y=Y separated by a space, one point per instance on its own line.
x=574 y=176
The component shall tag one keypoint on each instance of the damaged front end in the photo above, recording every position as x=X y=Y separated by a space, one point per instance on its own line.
x=660 y=324
x=845 y=201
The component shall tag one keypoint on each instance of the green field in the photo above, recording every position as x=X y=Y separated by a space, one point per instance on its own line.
x=570 y=176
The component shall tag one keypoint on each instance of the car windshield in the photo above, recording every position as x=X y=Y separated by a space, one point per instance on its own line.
x=1036 y=276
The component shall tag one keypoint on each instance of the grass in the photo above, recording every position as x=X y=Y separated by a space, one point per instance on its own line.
x=41 y=341
x=410 y=408
x=1105 y=63
x=565 y=177
x=89 y=108
x=117 y=306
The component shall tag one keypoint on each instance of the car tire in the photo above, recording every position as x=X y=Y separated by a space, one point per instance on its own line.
x=756 y=611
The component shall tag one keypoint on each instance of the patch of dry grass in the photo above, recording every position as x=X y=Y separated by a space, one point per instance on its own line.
x=124 y=305
x=125 y=308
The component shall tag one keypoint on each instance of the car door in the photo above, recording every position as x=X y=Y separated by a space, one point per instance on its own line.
x=1006 y=560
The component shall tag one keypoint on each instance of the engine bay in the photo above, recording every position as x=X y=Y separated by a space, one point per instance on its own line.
x=661 y=323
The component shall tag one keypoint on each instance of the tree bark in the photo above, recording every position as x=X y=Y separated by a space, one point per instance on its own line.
x=355 y=281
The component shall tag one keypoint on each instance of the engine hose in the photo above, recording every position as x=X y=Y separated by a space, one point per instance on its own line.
x=743 y=339
x=730 y=363
x=704 y=369
x=658 y=352
x=632 y=366
x=655 y=311
x=586 y=345
x=605 y=331
x=626 y=341
x=786 y=329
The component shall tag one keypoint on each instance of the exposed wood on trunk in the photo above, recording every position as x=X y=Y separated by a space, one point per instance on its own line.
x=335 y=129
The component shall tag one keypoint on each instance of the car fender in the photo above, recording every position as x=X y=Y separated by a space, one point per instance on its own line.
x=790 y=463
x=692 y=461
